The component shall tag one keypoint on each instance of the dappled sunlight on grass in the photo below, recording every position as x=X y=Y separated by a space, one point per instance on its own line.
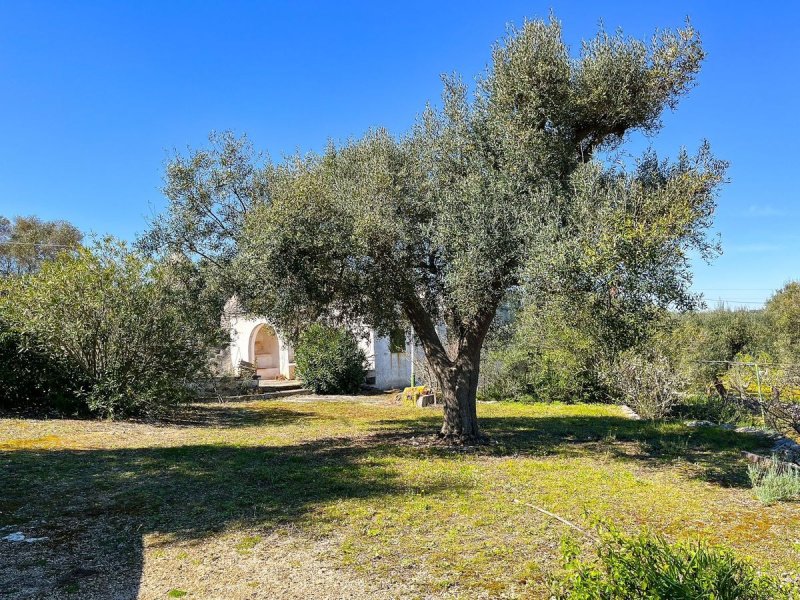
x=367 y=477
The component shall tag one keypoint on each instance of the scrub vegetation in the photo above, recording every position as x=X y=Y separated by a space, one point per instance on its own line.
x=648 y=566
x=774 y=481
x=727 y=366
x=104 y=331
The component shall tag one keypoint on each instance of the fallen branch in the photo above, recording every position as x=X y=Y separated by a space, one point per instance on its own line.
x=555 y=516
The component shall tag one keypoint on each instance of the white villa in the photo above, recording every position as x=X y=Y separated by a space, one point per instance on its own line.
x=254 y=340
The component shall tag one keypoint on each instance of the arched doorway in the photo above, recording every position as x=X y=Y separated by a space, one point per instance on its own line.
x=265 y=354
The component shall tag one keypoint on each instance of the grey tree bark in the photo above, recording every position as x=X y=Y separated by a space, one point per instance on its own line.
x=457 y=376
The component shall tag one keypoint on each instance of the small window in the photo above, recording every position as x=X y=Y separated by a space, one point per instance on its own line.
x=397 y=341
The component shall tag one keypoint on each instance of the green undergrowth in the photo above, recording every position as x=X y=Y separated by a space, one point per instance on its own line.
x=647 y=565
x=774 y=482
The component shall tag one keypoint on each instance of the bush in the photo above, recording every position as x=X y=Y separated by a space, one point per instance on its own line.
x=647 y=383
x=543 y=375
x=647 y=566
x=32 y=381
x=505 y=374
x=702 y=343
x=705 y=407
x=329 y=360
x=119 y=321
x=774 y=482
x=553 y=349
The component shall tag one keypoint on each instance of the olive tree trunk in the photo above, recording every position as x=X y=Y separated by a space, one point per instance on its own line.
x=457 y=375
x=459 y=387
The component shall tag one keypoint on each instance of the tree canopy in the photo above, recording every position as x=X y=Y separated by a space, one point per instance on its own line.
x=503 y=188
x=783 y=312
x=26 y=242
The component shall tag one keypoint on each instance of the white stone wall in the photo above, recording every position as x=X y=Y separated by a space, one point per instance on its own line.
x=392 y=370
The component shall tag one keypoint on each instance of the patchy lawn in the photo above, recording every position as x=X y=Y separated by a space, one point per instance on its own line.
x=345 y=499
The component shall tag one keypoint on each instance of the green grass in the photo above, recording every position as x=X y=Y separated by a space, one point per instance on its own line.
x=394 y=506
x=248 y=543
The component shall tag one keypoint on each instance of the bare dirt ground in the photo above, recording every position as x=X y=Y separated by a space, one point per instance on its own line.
x=286 y=565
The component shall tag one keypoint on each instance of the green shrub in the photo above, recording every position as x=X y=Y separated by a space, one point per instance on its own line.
x=701 y=343
x=711 y=407
x=774 y=482
x=646 y=566
x=505 y=374
x=551 y=376
x=32 y=381
x=329 y=360
x=124 y=325
x=554 y=349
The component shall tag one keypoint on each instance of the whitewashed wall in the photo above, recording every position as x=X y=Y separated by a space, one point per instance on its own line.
x=392 y=370
x=242 y=331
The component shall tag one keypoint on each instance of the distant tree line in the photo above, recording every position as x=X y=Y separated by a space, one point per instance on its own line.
x=568 y=350
x=26 y=242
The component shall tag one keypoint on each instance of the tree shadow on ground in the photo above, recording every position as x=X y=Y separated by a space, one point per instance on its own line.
x=710 y=454
x=229 y=415
x=95 y=505
x=205 y=414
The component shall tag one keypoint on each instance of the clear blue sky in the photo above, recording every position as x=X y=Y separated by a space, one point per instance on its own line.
x=95 y=95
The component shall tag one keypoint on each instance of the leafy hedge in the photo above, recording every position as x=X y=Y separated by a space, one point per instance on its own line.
x=31 y=380
x=329 y=360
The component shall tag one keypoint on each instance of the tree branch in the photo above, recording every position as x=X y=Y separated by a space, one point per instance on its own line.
x=426 y=331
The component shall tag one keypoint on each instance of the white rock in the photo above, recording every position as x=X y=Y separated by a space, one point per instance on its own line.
x=18 y=536
x=701 y=423
x=426 y=400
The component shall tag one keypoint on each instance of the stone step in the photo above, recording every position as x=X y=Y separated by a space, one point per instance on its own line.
x=268 y=373
x=283 y=393
x=274 y=385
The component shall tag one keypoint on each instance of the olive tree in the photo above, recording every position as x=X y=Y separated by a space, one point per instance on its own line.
x=501 y=189
x=209 y=192
x=783 y=316
x=704 y=344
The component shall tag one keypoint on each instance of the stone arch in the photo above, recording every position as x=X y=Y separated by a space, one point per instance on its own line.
x=265 y=351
